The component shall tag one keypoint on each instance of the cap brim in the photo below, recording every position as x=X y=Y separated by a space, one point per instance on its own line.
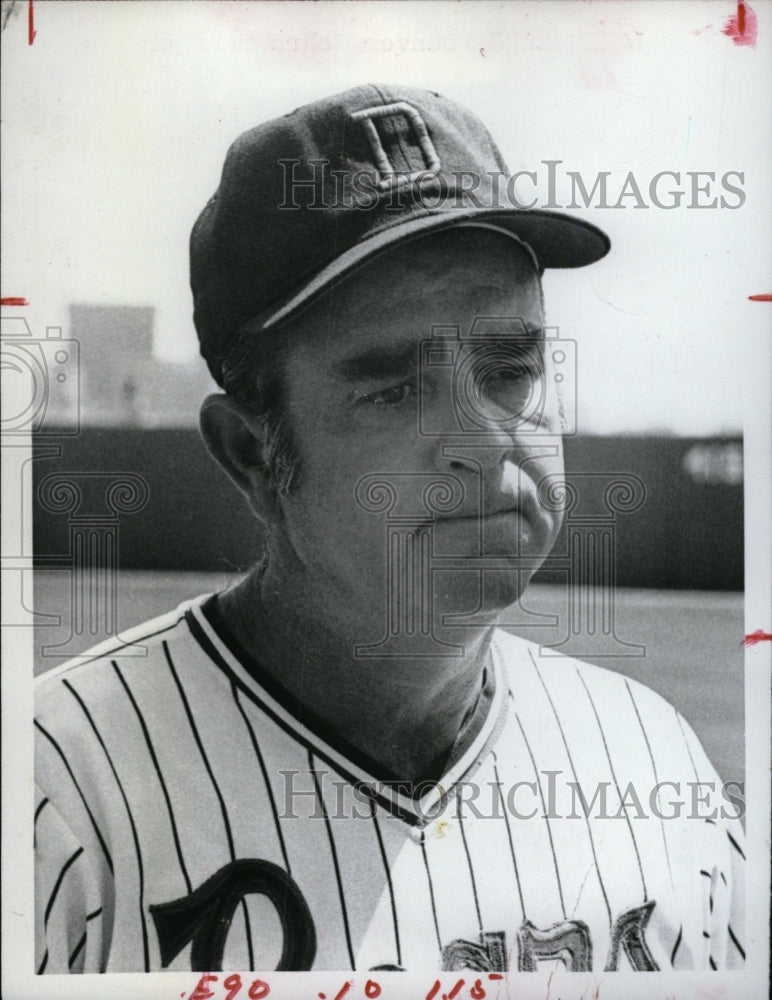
x=557 y=240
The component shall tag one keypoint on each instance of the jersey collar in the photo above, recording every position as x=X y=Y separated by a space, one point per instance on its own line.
x=209 y=631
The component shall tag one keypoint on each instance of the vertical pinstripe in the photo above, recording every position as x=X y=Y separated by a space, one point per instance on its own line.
x=77 y=950
x=64 y=760
x=656 y=776
x=735 y=942
x=576 y=778
x=334 y=853
x=202 y=752
x=677 y=945
x=694 y=768
x=215 y=786
x=151 y=751
x=736 y=846
x=431 y=891
x=264 y=772
x=544 y=813
x=140 y=869
x=686 y=743
x=509 y=835
x=387 y=870
x=471 y=872
x=58 y=884
x=616 y=785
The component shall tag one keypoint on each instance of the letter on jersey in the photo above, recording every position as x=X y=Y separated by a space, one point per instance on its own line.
x=204 y=917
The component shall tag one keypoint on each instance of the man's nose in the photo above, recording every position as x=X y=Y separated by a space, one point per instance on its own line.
x=491 y=437
x=478 y=452
x=461 y=443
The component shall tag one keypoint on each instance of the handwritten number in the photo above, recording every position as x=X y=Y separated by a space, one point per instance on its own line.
x=202 y=992
x=232 y=984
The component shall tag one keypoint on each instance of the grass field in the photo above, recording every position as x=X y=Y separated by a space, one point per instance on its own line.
x=692 y=656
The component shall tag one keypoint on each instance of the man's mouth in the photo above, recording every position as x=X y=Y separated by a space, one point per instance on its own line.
x=484 y=515
x=524 y=504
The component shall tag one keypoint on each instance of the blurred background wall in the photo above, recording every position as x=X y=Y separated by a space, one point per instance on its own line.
x=688 y=532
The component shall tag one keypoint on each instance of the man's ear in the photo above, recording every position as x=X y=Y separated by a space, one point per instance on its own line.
x=234 y=436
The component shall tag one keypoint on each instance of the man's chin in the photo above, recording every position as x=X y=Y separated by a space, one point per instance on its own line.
x=477 y=597
x=429 y=620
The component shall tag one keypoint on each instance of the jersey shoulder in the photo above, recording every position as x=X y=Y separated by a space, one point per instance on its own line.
x=581 y=697
x=138 y=648
x=559 y=669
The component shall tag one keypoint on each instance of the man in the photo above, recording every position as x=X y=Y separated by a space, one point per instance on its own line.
x=341 y=762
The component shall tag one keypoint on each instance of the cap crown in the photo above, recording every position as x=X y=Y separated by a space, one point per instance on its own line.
x=305 y=197
x=265 y=231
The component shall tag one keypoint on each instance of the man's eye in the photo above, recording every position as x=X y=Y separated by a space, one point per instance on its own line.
x=391 y=396
x=507 y=363
x=512 y=373
x=511 y=377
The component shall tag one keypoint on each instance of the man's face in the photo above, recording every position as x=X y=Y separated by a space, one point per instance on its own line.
x=460 y=431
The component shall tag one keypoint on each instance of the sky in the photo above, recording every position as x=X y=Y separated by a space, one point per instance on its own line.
x=118 y=116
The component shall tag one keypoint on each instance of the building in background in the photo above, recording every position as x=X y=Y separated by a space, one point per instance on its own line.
x=122 y=383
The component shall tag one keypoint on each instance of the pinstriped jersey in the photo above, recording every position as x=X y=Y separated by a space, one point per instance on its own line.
x=190 y=816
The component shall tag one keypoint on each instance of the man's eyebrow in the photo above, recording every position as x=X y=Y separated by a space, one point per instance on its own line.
x=379 y=362
x=384 y=362
x=509 y=331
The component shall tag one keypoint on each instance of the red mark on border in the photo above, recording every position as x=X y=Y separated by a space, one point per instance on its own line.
x=14 y=300
x=31 y=32
x=742 y=27
x=758 y=636
x=765 y=297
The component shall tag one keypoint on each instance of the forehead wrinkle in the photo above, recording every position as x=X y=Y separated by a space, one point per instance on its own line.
x=366 y=308
x=479 y=261
x=378 y=361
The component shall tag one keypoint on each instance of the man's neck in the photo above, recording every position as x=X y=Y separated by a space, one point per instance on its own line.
x=412 y=716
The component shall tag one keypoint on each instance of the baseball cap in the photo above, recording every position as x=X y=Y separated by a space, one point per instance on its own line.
x=305 y=198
